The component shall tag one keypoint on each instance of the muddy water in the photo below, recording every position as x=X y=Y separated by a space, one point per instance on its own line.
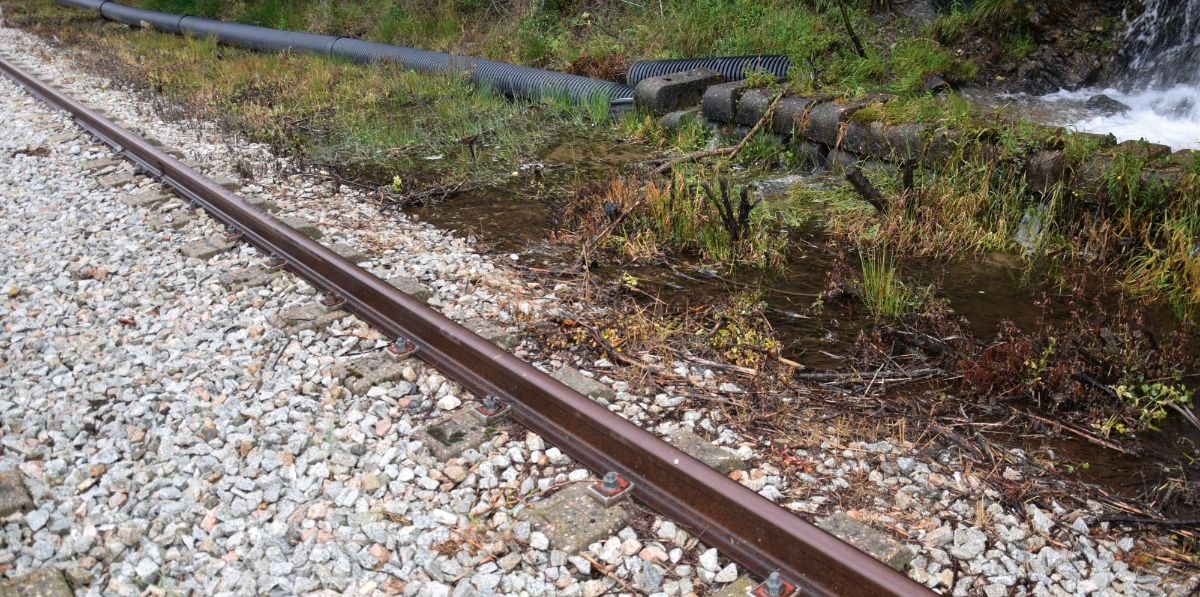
x=514 y=220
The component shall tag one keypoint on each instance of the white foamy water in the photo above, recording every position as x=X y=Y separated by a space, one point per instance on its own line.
x=1169 y=116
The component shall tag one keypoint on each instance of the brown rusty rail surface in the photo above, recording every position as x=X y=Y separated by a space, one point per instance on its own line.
x=748 y=528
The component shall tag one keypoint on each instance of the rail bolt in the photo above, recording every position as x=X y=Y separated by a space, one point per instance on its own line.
x=276 y=263
x=401 y=349
x=775 y=586
x=331 y=302
x=492 y=410
x=611 y=489
x=231 y=234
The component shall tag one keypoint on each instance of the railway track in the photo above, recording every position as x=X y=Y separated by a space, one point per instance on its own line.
x=748 y=528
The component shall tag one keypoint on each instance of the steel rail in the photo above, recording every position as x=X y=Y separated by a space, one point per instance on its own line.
x=748 y=528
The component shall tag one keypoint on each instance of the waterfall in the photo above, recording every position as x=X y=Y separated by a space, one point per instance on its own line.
x=1157 y=84
x=1162 y=46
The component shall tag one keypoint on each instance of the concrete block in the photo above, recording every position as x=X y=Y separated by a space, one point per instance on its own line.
x=116 y=179
x=903 y=142
x=100 y=164
x=583 y=384
x=247 y=278
x=1149 y=151
x=809 y=154
x=14 y=497
x=63 y=137
x=660 y=95
x=738 y=588
x=492 y=333
x=720 y=102
x=868 y=540
x=572 y=519
x=303 y=227
x=839 y=160
x=753 y=105
x=348 y=252
x=451 y=436
x=206 y=248
x=175 y=219
x=679 y=118
x=146 y=199
x=940 y=147
x=309 y=316
x=43 y=582
x=791 y=113
x=264 y=202
x=363 y=374
x=718 y=458
x=412 y=288
x=825 y=120
x=230 y=183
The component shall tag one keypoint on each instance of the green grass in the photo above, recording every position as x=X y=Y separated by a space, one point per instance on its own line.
x=884 y=295
x=602 y=39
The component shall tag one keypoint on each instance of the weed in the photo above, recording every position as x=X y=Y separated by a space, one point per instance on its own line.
x=884 y=295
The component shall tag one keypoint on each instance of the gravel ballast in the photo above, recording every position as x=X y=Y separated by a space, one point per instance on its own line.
x=173 y=438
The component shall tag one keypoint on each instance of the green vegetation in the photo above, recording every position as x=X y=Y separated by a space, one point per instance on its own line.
x=368 y=122
x=885 y=296
x=601 y=39
x=1147 y=403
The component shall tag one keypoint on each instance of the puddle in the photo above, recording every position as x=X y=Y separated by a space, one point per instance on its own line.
x=518 y=219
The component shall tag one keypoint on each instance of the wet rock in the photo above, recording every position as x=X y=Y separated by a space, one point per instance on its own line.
x=1105 y=106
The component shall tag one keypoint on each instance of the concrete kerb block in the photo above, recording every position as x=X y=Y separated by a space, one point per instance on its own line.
x=825 y=120
x=230 y=183
x=791 y=114
x=302 y=226
x=660 y=95
x=720 y=102
x=350 y=253
x=116 y=179
x=753 y=105
x=451 y=436
x=150 y=198
x=679 y=118
x=492 y=333
x=309 y=316
x=868 y=540
x=206 y=248
x=572 y=519
x=738 y=588
x=583 y=384
x=412 y=288
x=720 y=459
x=363 y=374
x=174 y=219
x=247 y=278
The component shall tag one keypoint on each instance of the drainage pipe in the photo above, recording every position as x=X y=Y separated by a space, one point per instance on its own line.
x=509 y=79
x=732 y=68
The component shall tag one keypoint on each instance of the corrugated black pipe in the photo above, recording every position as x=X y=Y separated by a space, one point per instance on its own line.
x=510 y=79
x=733 y=68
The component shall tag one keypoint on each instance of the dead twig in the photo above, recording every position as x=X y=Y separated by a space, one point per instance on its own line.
x=731 y=151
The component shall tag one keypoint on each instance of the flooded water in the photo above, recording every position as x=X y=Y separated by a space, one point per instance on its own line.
x=518 y=219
